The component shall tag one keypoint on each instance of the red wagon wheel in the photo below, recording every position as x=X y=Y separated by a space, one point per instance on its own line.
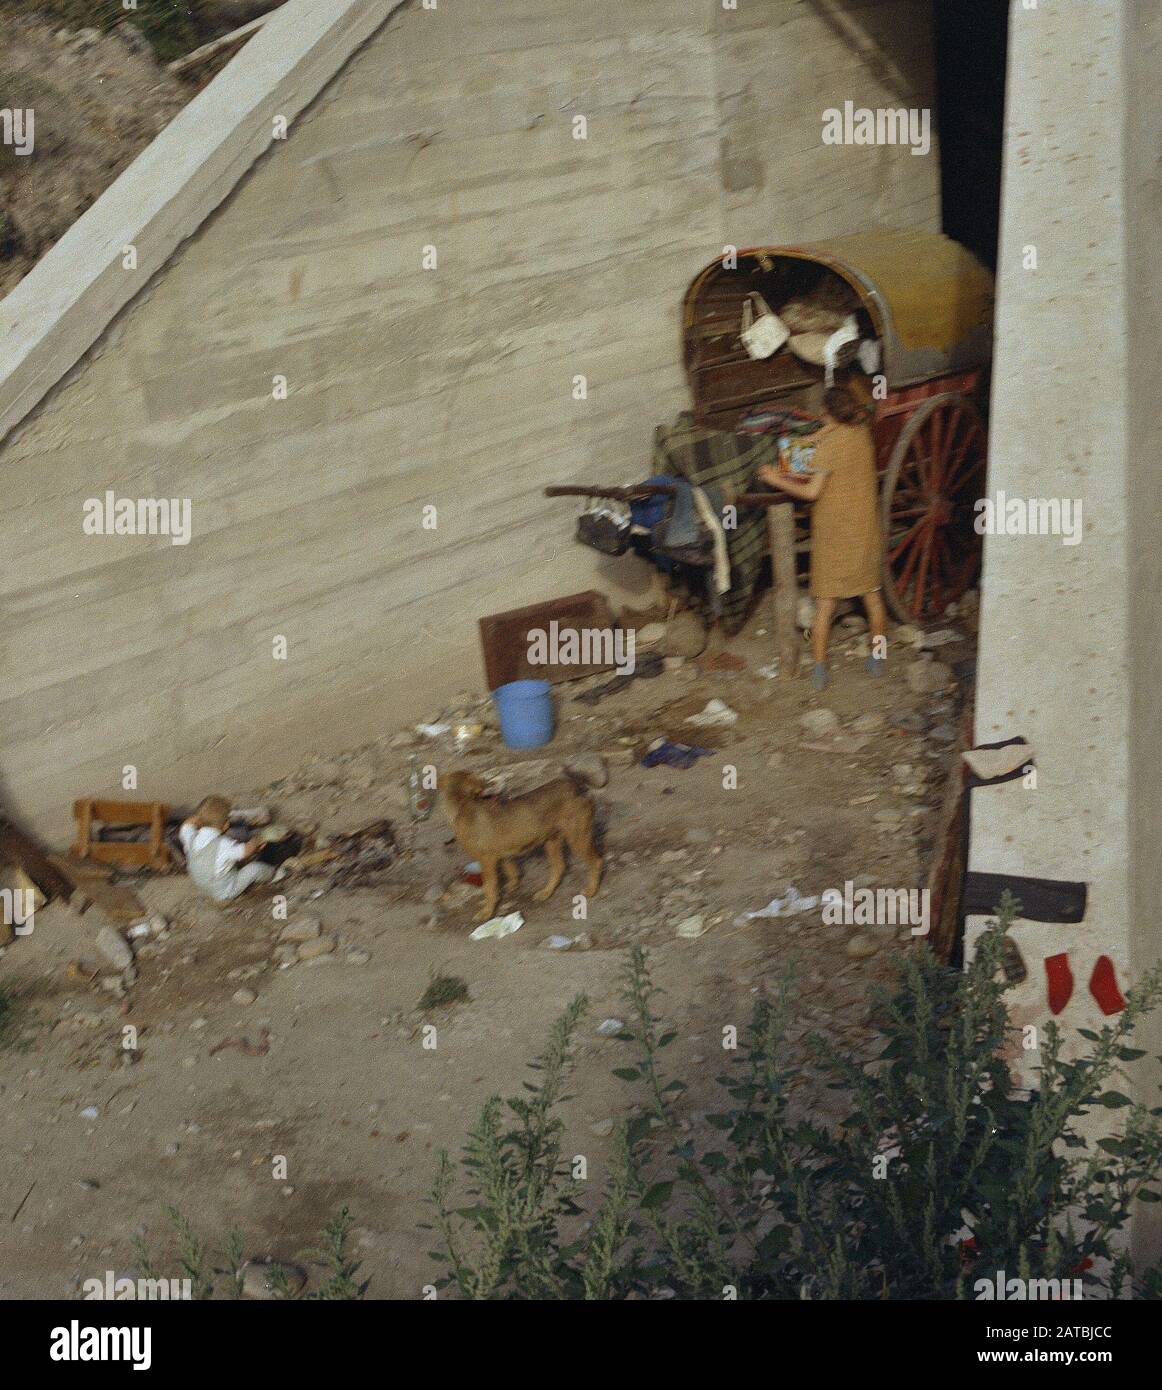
x=933 y=478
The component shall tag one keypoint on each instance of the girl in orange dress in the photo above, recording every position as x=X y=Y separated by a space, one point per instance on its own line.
x=846 y=541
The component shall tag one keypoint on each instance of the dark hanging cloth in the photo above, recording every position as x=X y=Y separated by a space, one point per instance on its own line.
x=719 y=459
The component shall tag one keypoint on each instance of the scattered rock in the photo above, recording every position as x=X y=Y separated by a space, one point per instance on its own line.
x=602 y=1128
x=943 y=733
x=909 y=722
x=244 y=996
x=817 y=722
x=860 y=947
x=357 y=957
x=316 y=949
x=869 y=723
x=263 y=1279
x=301 y=929
x=114 y=948
x=925 y=677
x=652 y=635
x=609 y=1026
x=685 y=635
x=849 y=743
x=285 y=956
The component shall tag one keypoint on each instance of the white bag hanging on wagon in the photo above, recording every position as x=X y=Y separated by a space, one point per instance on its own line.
x=763 y=333
x=833 y=354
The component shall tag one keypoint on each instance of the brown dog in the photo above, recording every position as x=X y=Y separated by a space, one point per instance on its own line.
x=494 y=830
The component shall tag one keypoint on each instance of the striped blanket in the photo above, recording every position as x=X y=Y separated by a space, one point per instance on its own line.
x=715 y=458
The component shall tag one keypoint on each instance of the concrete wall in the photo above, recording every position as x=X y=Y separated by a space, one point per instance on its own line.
x=1070 y=635
x=410 y=388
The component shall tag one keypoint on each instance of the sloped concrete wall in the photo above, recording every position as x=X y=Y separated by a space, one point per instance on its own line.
x=410 y=388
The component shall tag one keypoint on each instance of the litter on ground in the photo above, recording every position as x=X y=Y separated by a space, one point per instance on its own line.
x=497 y=927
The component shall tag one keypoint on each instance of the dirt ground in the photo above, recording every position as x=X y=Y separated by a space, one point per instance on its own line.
x=334 y=1076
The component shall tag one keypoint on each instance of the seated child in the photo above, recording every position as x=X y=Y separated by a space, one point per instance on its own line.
x=216 y=863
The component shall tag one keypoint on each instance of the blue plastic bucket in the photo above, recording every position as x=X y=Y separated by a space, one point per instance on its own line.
x=525 y=709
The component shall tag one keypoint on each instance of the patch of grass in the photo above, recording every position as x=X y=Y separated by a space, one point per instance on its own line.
x=443 y=990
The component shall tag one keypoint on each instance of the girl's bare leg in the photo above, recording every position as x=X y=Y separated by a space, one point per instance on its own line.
x=821 y=627
x=877 y=621
x=820 y=633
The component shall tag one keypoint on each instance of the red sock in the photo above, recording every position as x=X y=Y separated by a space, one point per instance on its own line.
x=1104 y=987
x=1060 y=981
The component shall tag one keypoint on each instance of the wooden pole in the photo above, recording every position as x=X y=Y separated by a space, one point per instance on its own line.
x=784 y=588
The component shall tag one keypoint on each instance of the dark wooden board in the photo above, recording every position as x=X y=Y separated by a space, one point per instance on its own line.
x=504 y=637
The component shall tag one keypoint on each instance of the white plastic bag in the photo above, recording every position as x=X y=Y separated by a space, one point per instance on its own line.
x=763 y=333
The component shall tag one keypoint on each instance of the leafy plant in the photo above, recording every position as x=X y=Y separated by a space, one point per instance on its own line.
x=941 y=1171
x=340 y=1281
x=193 y=1258
x=510 y=1238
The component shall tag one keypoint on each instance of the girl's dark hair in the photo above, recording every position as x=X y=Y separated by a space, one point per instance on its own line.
x=841 y=405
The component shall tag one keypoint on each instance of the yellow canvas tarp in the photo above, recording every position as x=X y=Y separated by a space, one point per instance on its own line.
x=937 y=291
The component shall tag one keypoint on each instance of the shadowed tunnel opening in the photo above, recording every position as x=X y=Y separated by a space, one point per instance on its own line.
x=971 y=47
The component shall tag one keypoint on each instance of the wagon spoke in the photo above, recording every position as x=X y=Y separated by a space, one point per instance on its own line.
x=935 y=440
x=956 y=476
x=941 y=452
x=945 y=573
x=908 y=536
x=915 y=545
x=925 y=552
x=921 y=462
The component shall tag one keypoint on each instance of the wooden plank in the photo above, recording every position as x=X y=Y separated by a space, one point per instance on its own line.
x=784 y=589
x=504 y=637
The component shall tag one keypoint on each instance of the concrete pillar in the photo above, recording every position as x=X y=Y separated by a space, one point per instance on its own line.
x=1070 y=654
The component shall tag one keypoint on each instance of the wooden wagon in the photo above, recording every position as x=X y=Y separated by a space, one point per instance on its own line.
x=929 y=304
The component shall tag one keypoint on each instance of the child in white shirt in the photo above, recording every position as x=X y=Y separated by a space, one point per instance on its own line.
x=221 y=867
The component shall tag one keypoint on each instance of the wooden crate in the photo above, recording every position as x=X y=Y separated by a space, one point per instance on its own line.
x=91 y=813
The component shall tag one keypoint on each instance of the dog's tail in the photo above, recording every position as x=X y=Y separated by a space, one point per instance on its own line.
x=586 y=770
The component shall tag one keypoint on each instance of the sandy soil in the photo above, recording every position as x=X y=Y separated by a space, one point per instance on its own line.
x=345 y=1090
